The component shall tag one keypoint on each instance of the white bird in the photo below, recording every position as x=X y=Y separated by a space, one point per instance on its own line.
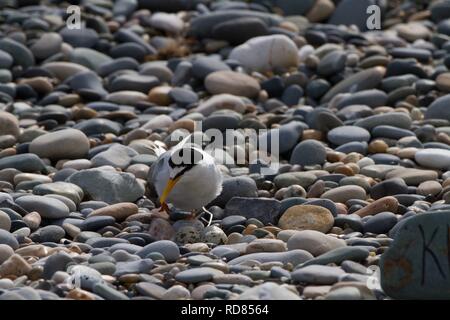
x=187 y=177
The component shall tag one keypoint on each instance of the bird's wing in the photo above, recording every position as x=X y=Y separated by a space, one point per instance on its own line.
x=159 y=172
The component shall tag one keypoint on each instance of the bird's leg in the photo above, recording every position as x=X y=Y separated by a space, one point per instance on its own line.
x=164 y=207
x=208 y=222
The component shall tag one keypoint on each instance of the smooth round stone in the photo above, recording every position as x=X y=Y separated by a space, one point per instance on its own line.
x=314 y=242
x=438 y=108
x=391 y=132
x=9 y=125
x=125 y=63
x=239 y=30
x=381 y=223
x=5 y=253
x=133 y=82
x=119 y=211
x=354 y=146
x=170 y=23
x=8 y=239
x=433 y=158
x=292 y=95
x=346 y=134
x=295 y=257
x=266 y=53
x=85 y=37
x=65 y=189
x=421 y=55
x=62 y=144
x=122 y=187
x=167 y=248
x=183 y=97
x=411 y=176
x=5 y=221
x=317 y=274
x=197 y=275
x=221 y=122
x=268 y=291
x=265 y=245
x=48 y=234
x=443 y=82
x=97 y=222
x=332 y=63
x=108 y=292
x=221 y=101
x=117 y=156
x=363 y=80
x=287 y=135
x=307 y=217
x=429 y=188
x=352 y=221
x=230 y=221
x=388 y=187
x=88 y=57
x=338 y=255
x=308 y=152
x=263 y=209
x=56 y=262
x=371 y=98
x=395 y=119
x=330 y=205
x=47 y=207
x=47 y=45
x=21 y=54
x=63 y=70
x=235 y=187
x=235 y=83
x=204 y=66
x=344 y=193
x=304 y=179
x=6 y=60
x=413 y=31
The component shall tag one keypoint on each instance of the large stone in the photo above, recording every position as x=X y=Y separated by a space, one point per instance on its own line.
x=416 y=266
x=121 y=187
x=268 y=291
x=120 y=211
x=309 y=152
x=266 y=53
x=314 y=242
x=9 y=124
x=264 y=209
x=352 y=12
x=62 y=144
x=345 y=193
x=363 y=80
x=433 y=158
x=235 y=83
x=47 y=207
x=307 y=217
x=236 y=187
x=68 y=190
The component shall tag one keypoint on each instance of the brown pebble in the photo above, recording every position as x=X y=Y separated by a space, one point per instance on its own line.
x=384 y=204
x=378 y=146
x=160 y=95
x=312 y=134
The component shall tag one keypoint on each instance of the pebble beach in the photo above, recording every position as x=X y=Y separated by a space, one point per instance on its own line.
x=357 y=209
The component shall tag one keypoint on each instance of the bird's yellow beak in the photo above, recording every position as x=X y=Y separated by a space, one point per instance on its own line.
x=169 y=186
